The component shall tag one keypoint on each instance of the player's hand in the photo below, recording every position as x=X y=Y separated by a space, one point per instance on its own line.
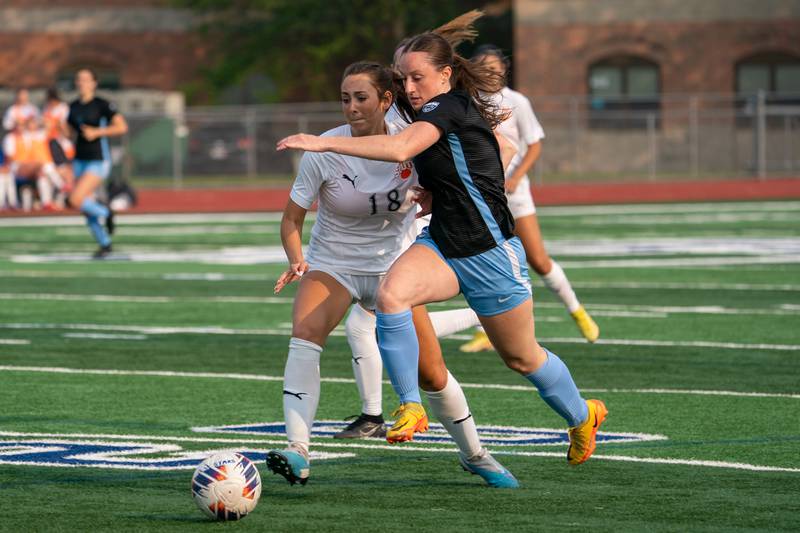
x=90 y=133
x=302 y=141
x=424 y=198
x=512 y=183
x=293 y=273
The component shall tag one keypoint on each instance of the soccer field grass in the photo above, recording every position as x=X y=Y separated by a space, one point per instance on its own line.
x=117 y=376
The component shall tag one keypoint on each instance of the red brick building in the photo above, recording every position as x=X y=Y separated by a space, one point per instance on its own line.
x=627 y=52
x=131 y=44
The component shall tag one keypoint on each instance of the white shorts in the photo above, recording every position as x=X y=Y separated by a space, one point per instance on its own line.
x=520 y=202
x=362 y=287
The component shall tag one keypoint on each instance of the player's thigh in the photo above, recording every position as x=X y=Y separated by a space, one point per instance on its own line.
x=319 y=305
x=528 y=231
x=432 y=368
x=418 y=276
x=85 y=187
x=513 y=335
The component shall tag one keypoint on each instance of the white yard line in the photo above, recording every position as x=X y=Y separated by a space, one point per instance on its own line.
x=263 y=377
x=218 y=330
x=322 y=443
x=15 y=342
x=222 y=276
x=600 y=309
x=105 y=336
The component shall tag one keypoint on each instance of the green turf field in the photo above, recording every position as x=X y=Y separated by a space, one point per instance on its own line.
x=698 y=363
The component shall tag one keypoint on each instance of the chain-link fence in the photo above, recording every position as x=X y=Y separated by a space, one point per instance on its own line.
x=677 y=137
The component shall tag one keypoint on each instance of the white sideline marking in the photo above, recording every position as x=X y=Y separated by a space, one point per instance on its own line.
x=215 y=330
x=221 y=276
x=15 y=342
x=695 y=286
x=131 y=220
x=571 y=211
x=184 y=230
x=104 y=336
x=684 y=262
x=262 y=377
x=144 y=299
x=319 y=443
x=600 y=309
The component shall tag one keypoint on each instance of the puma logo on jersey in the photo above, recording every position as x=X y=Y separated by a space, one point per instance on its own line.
x=351 y=180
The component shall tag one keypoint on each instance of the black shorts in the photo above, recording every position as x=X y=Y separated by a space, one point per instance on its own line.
x=57 y=153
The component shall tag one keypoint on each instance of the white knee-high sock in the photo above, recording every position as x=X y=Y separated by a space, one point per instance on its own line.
x=366 y=361
x=449 y=405
x=52 y=174
x=45 y=189
x=449 y=322
x=301 y=391
x=8 y=190
x=557 y=281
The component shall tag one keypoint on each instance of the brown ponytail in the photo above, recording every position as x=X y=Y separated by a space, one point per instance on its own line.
x=477 y=80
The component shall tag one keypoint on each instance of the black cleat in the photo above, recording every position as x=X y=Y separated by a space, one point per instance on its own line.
x=292 y=465
x=102 y=252
x=110 y=225
x=364 y=426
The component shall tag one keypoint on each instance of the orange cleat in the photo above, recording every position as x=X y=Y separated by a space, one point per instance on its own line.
x=582 y=438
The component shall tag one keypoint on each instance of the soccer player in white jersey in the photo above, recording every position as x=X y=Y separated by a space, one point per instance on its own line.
x=523 y=129
x=365 y=215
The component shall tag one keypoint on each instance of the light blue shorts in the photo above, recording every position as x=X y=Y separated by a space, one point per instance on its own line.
x=493 y=282
x=99 y=167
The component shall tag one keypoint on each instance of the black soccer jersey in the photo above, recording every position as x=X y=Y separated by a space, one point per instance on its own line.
x=464 y=172
x=98 y=112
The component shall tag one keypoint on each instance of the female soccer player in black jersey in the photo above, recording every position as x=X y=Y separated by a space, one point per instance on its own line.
x=93 y=119
x=470 y=246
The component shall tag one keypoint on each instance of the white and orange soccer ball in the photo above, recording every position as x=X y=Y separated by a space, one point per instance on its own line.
x=226 y=486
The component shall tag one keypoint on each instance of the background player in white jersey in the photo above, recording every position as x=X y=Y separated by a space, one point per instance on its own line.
x=523 y=129
x=20 y=111
x=365 y=215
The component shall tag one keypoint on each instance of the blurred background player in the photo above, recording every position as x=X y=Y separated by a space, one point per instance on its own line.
x=62 y=151
x=364 y=220
x=20 y=111
x=30 y=162
x=8 y=185
x=523 y=129
x=93 y=119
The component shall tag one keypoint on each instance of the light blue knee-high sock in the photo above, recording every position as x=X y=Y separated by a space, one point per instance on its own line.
x=397 y=341
x=559 y=391
x=94 y=211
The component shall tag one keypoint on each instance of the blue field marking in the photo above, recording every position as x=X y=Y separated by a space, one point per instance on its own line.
x=64 y=453
x=490 y=435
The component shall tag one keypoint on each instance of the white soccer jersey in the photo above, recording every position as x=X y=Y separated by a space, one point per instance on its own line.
x=17 y=114
x=365 y=209
x=522 y=128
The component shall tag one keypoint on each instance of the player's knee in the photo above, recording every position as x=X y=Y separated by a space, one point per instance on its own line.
x=391 y=298
x=308 y=332
x=519 y=365
x=433 y=379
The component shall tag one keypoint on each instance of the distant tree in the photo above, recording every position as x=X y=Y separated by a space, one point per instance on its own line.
x=302 y=46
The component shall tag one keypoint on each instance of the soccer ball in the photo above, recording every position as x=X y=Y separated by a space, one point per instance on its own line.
x=226 y=486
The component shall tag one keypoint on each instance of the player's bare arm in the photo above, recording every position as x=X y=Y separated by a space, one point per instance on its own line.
x=412 y=141
x=291 y=237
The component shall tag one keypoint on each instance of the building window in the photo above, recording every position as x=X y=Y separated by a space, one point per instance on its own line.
x=624 y=92
x=107 y=79
x=774 y=73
